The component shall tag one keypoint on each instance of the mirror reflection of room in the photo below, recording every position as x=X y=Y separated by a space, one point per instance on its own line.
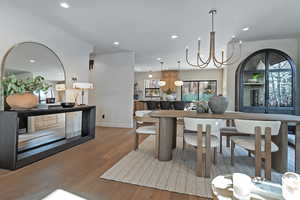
x=29 y=60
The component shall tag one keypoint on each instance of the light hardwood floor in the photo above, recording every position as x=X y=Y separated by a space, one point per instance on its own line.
x=77 y=170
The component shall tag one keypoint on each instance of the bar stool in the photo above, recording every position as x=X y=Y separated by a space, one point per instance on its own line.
x=152 y=105
x=179 y=105
x=165 y=105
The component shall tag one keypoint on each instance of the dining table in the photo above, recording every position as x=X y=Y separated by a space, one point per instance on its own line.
x=168 y=131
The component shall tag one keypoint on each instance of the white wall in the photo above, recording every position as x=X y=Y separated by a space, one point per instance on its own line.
x=185 y=75
x=113 y=76
x=289 y=46
x=19 y=26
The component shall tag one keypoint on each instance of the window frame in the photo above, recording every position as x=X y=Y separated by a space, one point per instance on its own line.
x=198 y=89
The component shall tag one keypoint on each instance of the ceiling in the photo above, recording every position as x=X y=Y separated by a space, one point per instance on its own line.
x=146 y=26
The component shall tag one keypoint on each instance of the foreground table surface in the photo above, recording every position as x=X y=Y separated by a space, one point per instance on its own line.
x=222 y=188
x=168 y=132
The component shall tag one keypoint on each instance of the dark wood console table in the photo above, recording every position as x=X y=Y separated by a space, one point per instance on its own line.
x=11 y=158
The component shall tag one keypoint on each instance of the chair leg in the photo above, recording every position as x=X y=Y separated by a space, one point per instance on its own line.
x=268 y=163
x=257 y=151
x=183 y=144
x=136 y=141
x=208 y=151
x=232 y=153
x=215 y=156
x=221 y=141
x=227 y=141
x=199 y=159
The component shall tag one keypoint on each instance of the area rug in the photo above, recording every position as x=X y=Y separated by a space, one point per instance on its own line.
x=141 y=168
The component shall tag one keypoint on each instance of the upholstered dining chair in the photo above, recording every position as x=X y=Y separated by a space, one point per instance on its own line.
x=200 y=134
x=259 y=142
x=227 y=132
x=146 y=125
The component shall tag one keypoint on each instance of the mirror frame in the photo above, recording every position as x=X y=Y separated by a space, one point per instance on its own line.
x=37 y=43
x=5 y=58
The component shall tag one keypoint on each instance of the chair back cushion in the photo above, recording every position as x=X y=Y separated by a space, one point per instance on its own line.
x=248 y=126
x=191 y=124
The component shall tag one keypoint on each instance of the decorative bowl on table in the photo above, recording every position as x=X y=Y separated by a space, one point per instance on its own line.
x=67 y=105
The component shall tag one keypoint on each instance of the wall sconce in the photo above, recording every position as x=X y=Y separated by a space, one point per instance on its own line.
x=91 y=65
x=74 y=79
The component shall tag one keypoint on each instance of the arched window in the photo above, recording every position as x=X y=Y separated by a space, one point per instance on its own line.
x=266 y=83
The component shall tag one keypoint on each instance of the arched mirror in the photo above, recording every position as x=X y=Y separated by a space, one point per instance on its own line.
x=266 y=83
x=31 y=59
x=28 y=60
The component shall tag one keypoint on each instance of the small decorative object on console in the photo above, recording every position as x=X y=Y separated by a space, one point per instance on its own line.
x=202 y=107
x=67 y=105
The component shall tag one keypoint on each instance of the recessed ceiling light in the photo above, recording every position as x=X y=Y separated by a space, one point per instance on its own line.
x=159 y=59
x=116 y=43
x=174 y=36
x=246 y=29
x=64 y=5
x=32 y=61
x=233 y=36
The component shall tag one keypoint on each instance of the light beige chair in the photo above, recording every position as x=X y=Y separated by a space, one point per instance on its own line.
x=146 y=125
x=259 y=143
x=199 y=133
x=228 y=131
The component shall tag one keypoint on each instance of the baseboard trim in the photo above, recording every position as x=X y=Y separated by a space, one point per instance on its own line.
x=115 y=124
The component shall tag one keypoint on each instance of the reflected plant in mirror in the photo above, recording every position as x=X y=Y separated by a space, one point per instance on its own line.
x=11 y=85
x=19 y=93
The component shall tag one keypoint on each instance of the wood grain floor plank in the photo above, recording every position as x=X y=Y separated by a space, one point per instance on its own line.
x=78 y=169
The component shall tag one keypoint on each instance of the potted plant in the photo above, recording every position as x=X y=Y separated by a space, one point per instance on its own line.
x=18 y=93
x=255 y=77
x=170 y=95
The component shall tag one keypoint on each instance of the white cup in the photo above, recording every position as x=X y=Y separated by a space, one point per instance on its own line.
x=291 y=186
x=242 y=185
